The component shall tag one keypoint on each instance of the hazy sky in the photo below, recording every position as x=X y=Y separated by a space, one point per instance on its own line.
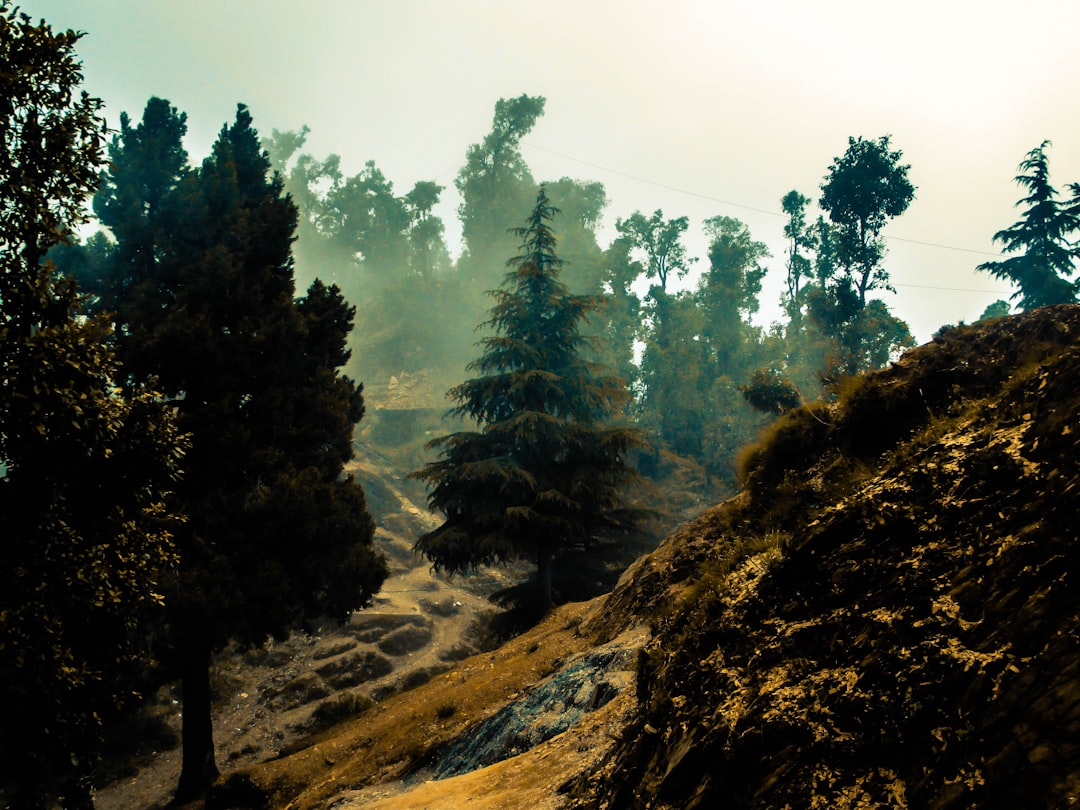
x=698 y=107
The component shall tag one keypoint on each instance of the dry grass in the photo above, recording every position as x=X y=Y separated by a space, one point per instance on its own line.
x=397 y=736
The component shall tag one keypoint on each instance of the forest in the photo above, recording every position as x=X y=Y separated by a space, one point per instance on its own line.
x=188 y=346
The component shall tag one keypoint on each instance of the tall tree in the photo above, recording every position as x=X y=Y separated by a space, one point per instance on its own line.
x=621 y=312
x=661 y=241
x=799 y=267
x=865 y=188
x=675 y=370
x=83 y=467
x=728 y=292
x=273 y=534
x=428 y=255
x=146 y=164
x=308 y=180
x=373 y=225
x=545 y=473
x=1043 y=240
x=728 y=295
x=494 y=183
x=581 y=205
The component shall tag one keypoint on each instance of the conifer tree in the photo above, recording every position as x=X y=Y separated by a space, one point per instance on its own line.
x=1046 y=255
x=274 y=535
x=546 y=472
x=84 y=467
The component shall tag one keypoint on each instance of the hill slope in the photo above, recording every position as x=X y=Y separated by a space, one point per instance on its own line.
x=905 y=632
x=887 y=616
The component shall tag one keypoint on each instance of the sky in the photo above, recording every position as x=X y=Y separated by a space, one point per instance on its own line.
x=697 y=107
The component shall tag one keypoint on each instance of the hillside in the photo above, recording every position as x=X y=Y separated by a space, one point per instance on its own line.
x=885 y=617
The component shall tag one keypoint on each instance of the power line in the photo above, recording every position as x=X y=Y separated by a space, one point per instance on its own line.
x=953 y=289
x=741 y=205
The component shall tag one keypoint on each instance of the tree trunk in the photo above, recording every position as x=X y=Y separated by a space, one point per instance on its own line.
x=199 y=770
x=543 y=577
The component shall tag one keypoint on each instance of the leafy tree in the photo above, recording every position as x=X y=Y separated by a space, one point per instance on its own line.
x=799 y=267
x=581 y=205
x=428 y=255
x=728 y=293
x=661 y=242
x=387 y=253
x=274 y=534
x=372 y=224
x=675 y=374
x=83 y=466
x=308 y=181
x=545 y=473
x=494 y=183
x=621 y=312
x=1048 y=259
x=865 y=188
x=728 y=296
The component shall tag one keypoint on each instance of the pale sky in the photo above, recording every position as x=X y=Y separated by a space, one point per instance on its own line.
x=698 y=107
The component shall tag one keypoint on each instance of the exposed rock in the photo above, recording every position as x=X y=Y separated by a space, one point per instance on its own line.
x=549 y=708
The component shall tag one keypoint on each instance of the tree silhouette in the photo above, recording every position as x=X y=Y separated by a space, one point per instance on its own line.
x=865 y=188
x=1046 y=254
x=274 y=534
x=84 y=466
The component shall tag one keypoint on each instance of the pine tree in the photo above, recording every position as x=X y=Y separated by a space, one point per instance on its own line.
x=1047 y=256
x=84 y=467
x=545 y=473
x=273 y=534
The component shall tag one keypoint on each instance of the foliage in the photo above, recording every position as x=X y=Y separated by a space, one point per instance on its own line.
x=274 y=534
x=865 y=188
x=84 y=467
x=699 y=349
x=494 y=183
x=544 y=473
x=998 y=309
x=768 y=392
x=661 y=242
x=387 y=254
x=581 y=206
x=621 y=313
x=1047 y=254
x=799 y=267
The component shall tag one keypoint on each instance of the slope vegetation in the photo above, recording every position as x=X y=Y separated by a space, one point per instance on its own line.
x=891 y=616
